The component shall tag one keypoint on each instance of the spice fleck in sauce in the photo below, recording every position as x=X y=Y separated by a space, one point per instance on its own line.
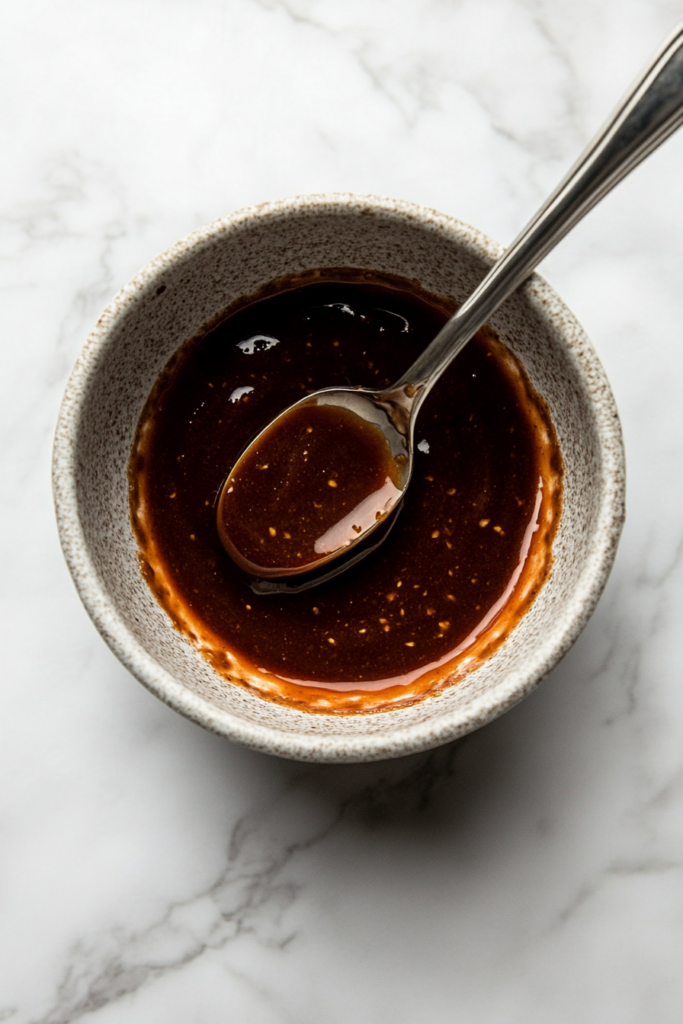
x=309 y=487
x=471 y=547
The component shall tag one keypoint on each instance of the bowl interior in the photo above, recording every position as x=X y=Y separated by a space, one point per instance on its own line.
x=168 y=302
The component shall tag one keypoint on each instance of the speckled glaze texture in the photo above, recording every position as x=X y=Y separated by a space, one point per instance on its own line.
x=184 y=288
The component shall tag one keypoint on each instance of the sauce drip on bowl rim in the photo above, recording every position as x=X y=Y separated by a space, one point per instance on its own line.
x=469 y=551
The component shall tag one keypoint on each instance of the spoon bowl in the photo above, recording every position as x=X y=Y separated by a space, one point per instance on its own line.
x=374 y=425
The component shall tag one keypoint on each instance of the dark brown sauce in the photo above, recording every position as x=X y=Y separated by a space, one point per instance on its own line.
x=469 y=551
x=309 y=486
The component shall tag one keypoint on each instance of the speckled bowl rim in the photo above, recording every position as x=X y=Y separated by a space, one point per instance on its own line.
x=337 y=748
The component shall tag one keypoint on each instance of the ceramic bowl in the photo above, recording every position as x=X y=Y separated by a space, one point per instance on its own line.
x=183 y=289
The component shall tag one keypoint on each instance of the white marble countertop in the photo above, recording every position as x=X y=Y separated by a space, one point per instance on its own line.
x=151 y=872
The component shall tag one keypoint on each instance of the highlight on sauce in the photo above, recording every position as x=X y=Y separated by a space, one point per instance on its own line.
x=471 y=547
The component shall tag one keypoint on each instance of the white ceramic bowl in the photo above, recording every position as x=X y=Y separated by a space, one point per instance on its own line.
x=184 y=288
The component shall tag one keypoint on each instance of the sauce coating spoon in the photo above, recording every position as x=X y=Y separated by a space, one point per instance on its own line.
x=378 y=426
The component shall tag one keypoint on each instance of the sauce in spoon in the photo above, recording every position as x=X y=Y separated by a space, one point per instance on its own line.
x=322 y=475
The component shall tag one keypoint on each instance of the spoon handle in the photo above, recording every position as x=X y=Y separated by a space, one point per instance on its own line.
x=650 y=112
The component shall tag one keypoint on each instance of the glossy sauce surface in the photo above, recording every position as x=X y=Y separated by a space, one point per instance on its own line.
x=472 y=545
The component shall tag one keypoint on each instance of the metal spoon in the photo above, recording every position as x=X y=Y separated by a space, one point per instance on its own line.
x=650 y=112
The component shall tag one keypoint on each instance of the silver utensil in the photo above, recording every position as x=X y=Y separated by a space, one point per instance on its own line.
x=649 y=113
